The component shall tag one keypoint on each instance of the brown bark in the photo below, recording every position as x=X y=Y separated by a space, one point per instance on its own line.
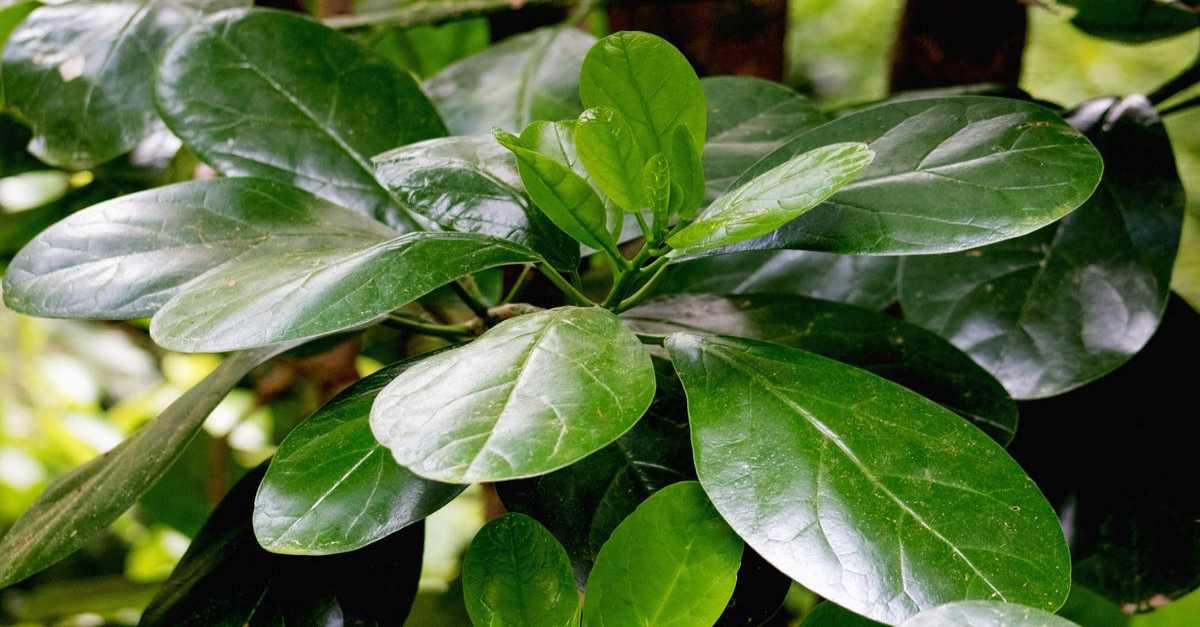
x=952 y=42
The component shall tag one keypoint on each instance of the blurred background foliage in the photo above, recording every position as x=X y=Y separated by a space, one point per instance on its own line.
x=70 y=390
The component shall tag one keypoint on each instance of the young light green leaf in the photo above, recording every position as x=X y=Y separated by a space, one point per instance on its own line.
x=533 y=76
x=557 y=141
x=673 y=562
x=656 y=192
x=81 y=73
x=516 y=574
x=332 y=488
x=610 y=153
x=81 y=504
x=773 y=198
x=986 y=614
x=300 y=294
x=126 y=257
x=861 y=490
x=227 y=92
x=531 y=395
x=687 y=173
x=565 y=198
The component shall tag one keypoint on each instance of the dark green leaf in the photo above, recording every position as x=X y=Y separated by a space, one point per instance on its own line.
x=673 y=562
x=332 y=488
x=176 y=500
x=312 y=117
x=20 y=228
x=895 y=350
x=868 y=282
x=471 y=185
x=1064 y=305
x=687 y=173
x=986 y=614
x=126 y=257
x=81 y=504
x=1088 y=608
x=773 y=198
x=534 y=76
x=307 y=293
x=10 y=16
x=748 y=118
x=1133 y=21
x=609 y=151
x=226 y=580
x=515 y=573
x=531 y=395
x=949 y=174
x=862 y=491
x=830 y=614
x=81 y=73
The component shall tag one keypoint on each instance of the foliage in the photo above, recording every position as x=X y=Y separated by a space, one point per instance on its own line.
x=678 y=455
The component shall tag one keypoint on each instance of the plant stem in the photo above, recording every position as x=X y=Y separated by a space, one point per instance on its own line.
x=449 y=331
x=519 y=285
x=1186 y=79
x=627 y=278
x=1179 y=107
x=658 y=268
x=468 y=292
x=573 y=295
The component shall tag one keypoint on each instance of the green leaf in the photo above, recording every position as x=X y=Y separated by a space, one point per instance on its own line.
x=986 y=614
x=773 y=198
x=687 y=173
x=10 y=17
x=531 y=395
x=868 y=282
x=471 y=185
x=1062 y=306
x=656 y=191
x=565 y=197
x=307 y=293
x=748 y=118
x=900 y=352
x=332 y=488
x=609 y=151
x=949 y=174
x=1131 y=21
x=126 y=257
x=557 y=141
x=862 y=491
x=649 y=82
x=81 y=504
x=81 y=73
x=830 y=614
x=516 y=573
x=672 y=562
x=226 y=579
x=533 y=76
x=228 y=92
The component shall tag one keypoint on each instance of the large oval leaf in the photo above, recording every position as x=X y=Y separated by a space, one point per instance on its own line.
x=515 y=573
x=81 y=73
x=311 y=292
x=1063 y=306
x=531 y=395
x=126 y=257
x=312 y=117
x=533 y=76
x=949 y=174
x=986 y=614
x=864 y=492
x=673 y=562
x=332 y=488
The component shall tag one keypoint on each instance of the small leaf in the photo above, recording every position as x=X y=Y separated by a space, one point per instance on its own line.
x=531 y=395
x=81 y=73
x=332 y=488
x=310 y=118
x=308 y=293
x=773 y=198
x=516 y=573
x=80 y=505
x=532 y=76
x=687 y=173
x=673 y=562
x=557 y=141
x=610 y=153
x=986 y=614
x=862 y=491
x=656 y=191
x=1131 y=21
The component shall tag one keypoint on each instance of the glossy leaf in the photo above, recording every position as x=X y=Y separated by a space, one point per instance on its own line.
x=773 y=198
x=557 y=141
x=862 y=491
x=986 y=614
x=672 y=562
x=332 y=488
x=687 y=173
x=126 y=257
x=656 y=191
x=81 y=73
x=609 y=151
x=748 y=118
x=1132 y=21
x=1062 y=306
x=533 y=76
x=80 y=505
x=531 y=395
x=515 y=573
x=225 y=578
x=312 y=118
x=308 y=293
x=900 y=352
x=471 y=185
x=868 y=282
x=949 y=174
x=11 y=15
